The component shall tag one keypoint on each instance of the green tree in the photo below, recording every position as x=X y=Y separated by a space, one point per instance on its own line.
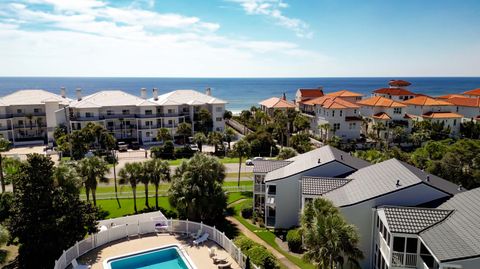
x=227 y=115
x=200 y=139
x=205 y=122
x=241 y=149
x=92 y=170
x=163 y=134
x=11 y=167
x=301 y=142
x=378 y=127
x=261 y=143
x=399 y=134
x=280 y=126
x=159 y=171
x=286 y=153
x=229 y=135
x=328 y=238
x=4 y=146
x=131 y=173
x=301 y=123
x=184 y=129
x=60 y=131
x=470 y=129
x=196 y=191
x=324 y=130
x=215 y=139
x=47 y=214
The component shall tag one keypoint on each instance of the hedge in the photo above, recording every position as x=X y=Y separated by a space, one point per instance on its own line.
x=257 y=253
x=294 y=240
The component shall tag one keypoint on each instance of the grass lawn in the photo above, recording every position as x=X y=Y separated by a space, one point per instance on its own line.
x=222 y=160
x=267 y=236
x=242 y=174
x=236 y=196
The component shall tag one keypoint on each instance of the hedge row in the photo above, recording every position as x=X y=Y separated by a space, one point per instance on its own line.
x=257 y=253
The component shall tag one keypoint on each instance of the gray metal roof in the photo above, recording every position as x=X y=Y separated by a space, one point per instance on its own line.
x=265 y=166
x=458 y=236
x=321 y=185
x=313 y=159
x=381 y=178
x=412 y=219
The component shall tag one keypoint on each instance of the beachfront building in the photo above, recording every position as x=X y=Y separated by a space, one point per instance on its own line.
x=473 y=93
x=29 y=117
x=468 y=107
x=279 y=182
x=274 y=103
x=346 y=95
x=417 y=237
x=397 y=91
x=387 y=112
x=302 y=95
x=334 y=116
x=426 y=108
x=357 y=195
x=129 y=117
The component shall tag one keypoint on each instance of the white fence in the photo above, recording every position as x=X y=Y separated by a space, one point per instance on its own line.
x=145 y=227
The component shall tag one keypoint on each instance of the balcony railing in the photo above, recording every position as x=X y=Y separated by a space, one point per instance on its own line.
x=26 y=115
x=28 y=126
x=402 y=259
x=127 y=116
x=384 y=246
x=259 y=188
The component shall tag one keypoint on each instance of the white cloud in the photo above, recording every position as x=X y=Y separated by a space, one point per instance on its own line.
x=273 y=10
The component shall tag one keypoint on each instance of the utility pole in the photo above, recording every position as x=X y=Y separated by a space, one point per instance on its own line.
x=115 y=177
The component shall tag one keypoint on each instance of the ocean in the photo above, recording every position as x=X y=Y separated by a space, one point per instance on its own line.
x=240 y=93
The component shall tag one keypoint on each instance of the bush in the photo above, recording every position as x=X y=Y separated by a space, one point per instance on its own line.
x=244 y=243
x=294 y=240
x=257 y=253
x=184 y=152
x=247 y=211
x=164 y=152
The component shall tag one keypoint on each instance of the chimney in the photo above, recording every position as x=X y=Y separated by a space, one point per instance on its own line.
x=155 y=94
x=62 y=92
x=208 y=91
x=143 y=93
x=284 y=97
x=78 y=91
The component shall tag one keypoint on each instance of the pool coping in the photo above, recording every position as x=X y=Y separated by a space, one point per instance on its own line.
x=180 y=249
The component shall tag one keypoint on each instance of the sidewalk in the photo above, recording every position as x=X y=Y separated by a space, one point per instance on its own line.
x=244 y=230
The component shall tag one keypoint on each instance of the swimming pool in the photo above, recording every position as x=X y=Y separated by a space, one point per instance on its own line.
x=166 y=257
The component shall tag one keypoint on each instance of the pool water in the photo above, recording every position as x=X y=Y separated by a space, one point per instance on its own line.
x=165 y=258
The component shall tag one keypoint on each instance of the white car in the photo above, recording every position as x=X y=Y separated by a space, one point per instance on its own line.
x=249 y=162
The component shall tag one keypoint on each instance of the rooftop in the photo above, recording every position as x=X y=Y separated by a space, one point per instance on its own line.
x=311 y=92
x=382 y=116
x=331 y=102
x=442 y=115
x=110 y=98
x=399 y=83
x=186 y=97
x=475 y=92
x=276 y=102
x=448 y=96
x=464 y=101
x=345 y=93
x=426 y=101
x=32 y=97
x=412 y=219
x=394 y=91
x=265 y=166
x=321 y=185
x=379 y=101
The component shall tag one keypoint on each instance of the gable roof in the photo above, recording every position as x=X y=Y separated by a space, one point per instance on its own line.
x=394 y=91
x=32 y=97
x=276 y=102
x=186 y=97
x=412 y=219
x=321 y=185
x=475 y=92
x=381 y=178
x=309 y=93
x=265 y=166
x=399 y=83
x=426 y=101
x=331 y=102
x=379 y=101
x=382 y=116
x=314 y=158
x=448 y=96
x=110 y=98
x=345 y=93
x=457 y=237
x=464 y=101
x=442 y=115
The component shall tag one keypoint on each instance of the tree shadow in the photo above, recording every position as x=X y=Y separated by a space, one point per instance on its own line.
x=230 y=229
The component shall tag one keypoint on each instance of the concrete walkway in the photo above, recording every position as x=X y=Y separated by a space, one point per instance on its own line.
x=244 y=230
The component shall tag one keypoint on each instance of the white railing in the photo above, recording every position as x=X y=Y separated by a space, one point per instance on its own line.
x=402 y=259
x=146 y=227
x=259 y=188
x=384 y=247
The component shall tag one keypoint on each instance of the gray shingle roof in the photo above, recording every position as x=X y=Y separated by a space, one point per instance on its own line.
x=412 y=219
x=381 y=178
x=265 y=166
x=321 y=185
x=458 y=236
x=313 y=159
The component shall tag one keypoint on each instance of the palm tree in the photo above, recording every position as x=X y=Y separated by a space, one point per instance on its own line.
x=324 y=128
x=163 y=134
x=281 y=127
x=328 y=238
x=4 y=145
x=131 y=173
x=241 y=149
x=159 y=171
x=215 y=139
x=184 y=129
x=229 y=135
x=92 y=170
x=145 y=179
x=200 y=139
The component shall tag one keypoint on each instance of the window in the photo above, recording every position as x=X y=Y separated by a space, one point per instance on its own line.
x=126 y=112
x=185 y=109
x=399 y=244
x=170 y=122
x=336 y=127
x=457 y=108
x=110 y=112
x=397 y=110
x=218 y=119
x=148 y=112
x=354 y=111
x=147 y=134
x=333 y=113
x=352 y=125
x=411 y=245
x=110 y=124
x=170 y=111
x=272 y=189
x=20 y=122
x=88 y=114
x=36 y=110
x=454 y=122
x=341 y=113
x=148 y=123
x=219 y=109
x=19 y=111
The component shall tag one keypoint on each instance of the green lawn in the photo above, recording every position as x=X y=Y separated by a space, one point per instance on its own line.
x=267 y=236
x=242 y=174
x=127 y=206
x=222 y=160
x=236 y=196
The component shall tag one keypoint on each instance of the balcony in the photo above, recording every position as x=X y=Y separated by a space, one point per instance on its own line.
x=402 y=259
x=26 y=115
x=28 y=126
x=259 y=188
x=270 y=222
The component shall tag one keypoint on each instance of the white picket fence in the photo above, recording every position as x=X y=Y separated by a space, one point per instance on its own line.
x=144 y=226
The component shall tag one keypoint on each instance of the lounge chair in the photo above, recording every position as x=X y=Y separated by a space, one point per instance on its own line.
x=201 y=239
x=196 y=235
x=217 y=259
x=75 y=265
x=161 y=227
x=224 y=266
x=211 y=252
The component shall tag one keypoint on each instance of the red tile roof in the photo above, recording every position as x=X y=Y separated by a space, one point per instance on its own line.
x=380 y=102
x=441 y=115
x=382 y=116
x=475 y=92
x=276 y=102
x=311 y=92
x=426 y=101
x=331 y=102
x=464 y=101
x=448 y=96
x=399 y=83
x=394 y=91
x=345 y=93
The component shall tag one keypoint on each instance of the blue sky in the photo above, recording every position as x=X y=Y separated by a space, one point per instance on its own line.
x=240 y=38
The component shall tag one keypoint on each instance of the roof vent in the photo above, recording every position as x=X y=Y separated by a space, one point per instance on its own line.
x=341 y=157
x=63 y=92
x=428 y=178
x=398 y=183
x=155 y=94
x=460 y=188
x=319 y=160
x=143 y=93
x=208 y=91
x=78 y=91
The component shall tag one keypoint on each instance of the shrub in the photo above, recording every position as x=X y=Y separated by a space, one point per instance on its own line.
x=247 y=211
x=183 y=152
x=260 y=256
x=244 y=243
x=294 y=240
x=164 y=152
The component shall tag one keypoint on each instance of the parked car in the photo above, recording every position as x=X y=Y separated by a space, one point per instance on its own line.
x=249 y=162
x=122 y=146
x=135 y=145
x=193 y=147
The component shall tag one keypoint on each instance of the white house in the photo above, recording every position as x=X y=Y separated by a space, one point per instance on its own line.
x=303 y=95
x=271 y=104
x=397 y=91
x=469 y=108
x=346 y=95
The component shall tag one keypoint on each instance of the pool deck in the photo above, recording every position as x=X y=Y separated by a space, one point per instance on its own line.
x=198 y=254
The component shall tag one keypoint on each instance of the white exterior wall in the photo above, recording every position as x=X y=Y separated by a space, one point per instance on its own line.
x=51 y=119
x=361 y=215
x=217 y=117
x=288 y=194
x=468 y=111
x=348 y=129
x=400 y=98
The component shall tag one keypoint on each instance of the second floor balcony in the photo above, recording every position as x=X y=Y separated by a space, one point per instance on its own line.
x=259 y=188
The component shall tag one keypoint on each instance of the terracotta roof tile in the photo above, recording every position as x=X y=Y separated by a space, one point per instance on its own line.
x=448 y=96
x=311 y=92
x=380 y=102
x=426 y=101
x=276 y=102
x=382 y=116
x=399 y=83
x=394 y=91
x=475 y=92
x=331 y=102
x=465 y=101
x=345 y=93
x=441 y=115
